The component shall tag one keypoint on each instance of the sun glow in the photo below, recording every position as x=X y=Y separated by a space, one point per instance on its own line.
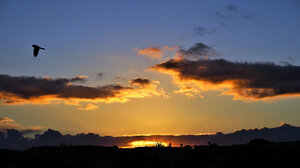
x=135 y=144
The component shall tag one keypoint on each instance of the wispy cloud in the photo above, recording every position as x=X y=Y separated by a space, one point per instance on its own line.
x=100 y=75
x=232 y=11
x=151 y=52
x=155 y=52
x=202 y=31
x=8 y=123
x=88 y=107
x=5 y=119
x=232 y=8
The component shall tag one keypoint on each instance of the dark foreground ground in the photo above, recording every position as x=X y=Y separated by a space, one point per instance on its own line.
x=257 y=153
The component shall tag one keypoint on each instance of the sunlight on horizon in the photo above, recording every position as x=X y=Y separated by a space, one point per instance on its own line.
x=135 y=144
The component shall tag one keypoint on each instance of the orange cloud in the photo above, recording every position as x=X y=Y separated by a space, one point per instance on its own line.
x=21 y=90
x=88 y=107
x=5 y=119
x=155 y=52
x=167 y=48
x=152 y=52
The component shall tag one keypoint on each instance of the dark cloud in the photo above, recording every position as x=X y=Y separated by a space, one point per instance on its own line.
x=32 y=87
x=204 y=31
x=232 y=8
x=247 y=80
x=78 y=79
x=199 y=50
x=140 y=81
x=22 y=89
x=232 y=11
x=100 y=75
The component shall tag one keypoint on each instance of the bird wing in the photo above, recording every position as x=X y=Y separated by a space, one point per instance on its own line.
x=35 y=51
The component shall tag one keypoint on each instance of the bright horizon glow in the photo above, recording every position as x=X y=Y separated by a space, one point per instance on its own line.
x=136 y=144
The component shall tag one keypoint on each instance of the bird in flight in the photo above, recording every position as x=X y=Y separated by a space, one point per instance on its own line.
x=36 y=49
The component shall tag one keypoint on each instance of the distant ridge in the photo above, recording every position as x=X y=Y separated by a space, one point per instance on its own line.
x=13 y=139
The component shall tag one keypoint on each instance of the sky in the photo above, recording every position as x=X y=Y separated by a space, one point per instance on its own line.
x=149 y=67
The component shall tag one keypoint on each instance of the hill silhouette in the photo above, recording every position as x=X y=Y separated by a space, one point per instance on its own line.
x=13 y=139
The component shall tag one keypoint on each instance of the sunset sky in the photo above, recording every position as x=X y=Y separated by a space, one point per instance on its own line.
x=149 y=66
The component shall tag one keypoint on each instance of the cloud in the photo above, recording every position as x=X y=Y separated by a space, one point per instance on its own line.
x=80 y=78
x=202 y=31
x=100 y=75
x=151 y=52
x=232 y=8
x=120 y=78
x=242 y=79
x=22 y=89
x=155 y=52
x=8 y=123
x=144 y=87
x=199 y=50
x=5 y=119
x=30 y=88
x=232 y=11
x=88 y=107
x=140 y=81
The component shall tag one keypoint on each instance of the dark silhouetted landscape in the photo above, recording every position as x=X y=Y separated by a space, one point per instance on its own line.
x=256 y=153
x=266 y=147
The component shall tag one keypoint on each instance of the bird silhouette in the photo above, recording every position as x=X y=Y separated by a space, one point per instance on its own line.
x=36 y=49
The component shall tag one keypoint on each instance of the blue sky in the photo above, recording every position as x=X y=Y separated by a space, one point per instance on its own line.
x=78 y=33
